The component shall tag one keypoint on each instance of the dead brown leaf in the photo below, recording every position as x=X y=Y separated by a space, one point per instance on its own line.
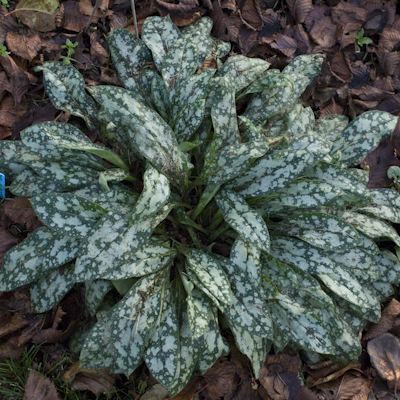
x=389 y=38
x=304 y=42
x=345 y=388
x=7 y=241
x=324 y=32
x=274 y=385
x=384 y=352
x=336 y=374
x=97 y=51
x=252 y=14
x=39 y=387
x=86 y=8
x=97 y=381
x=346 y=33
x=344 y=13
x=299 y=9
x=388 y=61
x=7 y=23
x=285 y=44
x=11 y=113
x=20 y=211
x=376 y=21
x=5 y=132
x=25 y=46
x=118 y=19
x=219 y=379
x=16 y=323
x=181 y=14
x=287 y=362
x=187 y=392
x=225 y=27
x=305 y=393
x=74 y=20
x=19 y=80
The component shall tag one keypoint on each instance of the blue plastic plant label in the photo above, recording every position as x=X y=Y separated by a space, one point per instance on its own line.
x=2 y=183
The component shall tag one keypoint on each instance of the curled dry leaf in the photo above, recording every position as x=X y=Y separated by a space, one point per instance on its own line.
x=181 y=14
x=349 y=387
x=219 y=379
x=299 y=9
x=97 y=381
x=283 y=43
x=74 y=20
x=8 y=23
x=225 y=27
x=324 y=32
x=38 y=14
x=388 y=61
x=20 y=211
x=347 y=33
x=336 y=374
x=389 y=38
x=11 y=113
x=25 y=46
x=344 y=13
x=384 y=352
x=7 y=241
x=252 y=14
x=39 y=387
x=389 y=315
x=86 y=8
x=16 y=323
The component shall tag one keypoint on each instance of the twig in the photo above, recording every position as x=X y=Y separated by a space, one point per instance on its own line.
x=96 y=6
x=134 y=18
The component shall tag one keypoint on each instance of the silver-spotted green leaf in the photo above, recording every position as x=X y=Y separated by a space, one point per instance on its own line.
x=252 y=133
x=95 y=292
x=308 y=65
x=90 y=192
x=223 y=112
x=148 y=132
x=324 y=231
x=130 y=56
x=389 y=265
x=331 y=126
x=302 y=194
x=161 y=353
x=40 y=253
x=159 y=35
x=272 y=172
x=231 y=161
x=113 y=243
x=10 y=162
x=213 y=347
x=386 y=205
x=111 y=200
x=135 y=316
x=67 y=213
x=28 y=183
x=371 y=227
x=199 y=31
x=199 y=313
x=48 y=291
x=306 y=328
x=155 y=194
x=209 y=192
x=316 y=262
x=160 y=96
x=297 y=122
x=188 y=120
x=179 y=63
x=66 y=89
x=383 y=288
x=238 y=214
x=118 y=339
x=152 y=257
x=245 y=70
x=271 y=83
x=211 y=275
x=190 y=91
x=363 y=135
x=254 y=347
x=356 y=191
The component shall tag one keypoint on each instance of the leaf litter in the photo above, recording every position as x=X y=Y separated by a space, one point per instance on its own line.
x=358 y=75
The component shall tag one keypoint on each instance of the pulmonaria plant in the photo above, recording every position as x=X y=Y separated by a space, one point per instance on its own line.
x=273 y=187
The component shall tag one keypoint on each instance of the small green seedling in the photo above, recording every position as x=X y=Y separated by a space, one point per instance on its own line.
x=361 y=40
x=70 y=47
x=3 y=50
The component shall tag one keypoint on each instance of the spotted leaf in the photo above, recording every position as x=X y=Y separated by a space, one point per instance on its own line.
x=245 y=70
x=155 y=194
x=238 y=214
x=66 y=89
x=129 y=54
x=210 y=273
x=40 y=253
x=148 y=132
x=389 y=266
x=231 y=161
x=323 y=231
x=159 y=35
x=179 y=63
x=95 y=293
x=112 y=199
x=67 y=213
x=331 y=126
x=363 y=135
x=160 y=97
x=49 y=290
x=308 y=65
x=386 y=205
x=199 y=313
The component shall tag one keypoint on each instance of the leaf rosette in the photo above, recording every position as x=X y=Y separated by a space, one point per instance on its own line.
x=273 y=187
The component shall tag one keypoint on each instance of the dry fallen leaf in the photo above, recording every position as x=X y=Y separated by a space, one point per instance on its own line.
x=7 y=241
x=25 y=46
x=38 y=14
x=40 y=388
x=16 y=323
x=20 y=211
x=389 y=314
x=299 y=9
x=384 y=352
